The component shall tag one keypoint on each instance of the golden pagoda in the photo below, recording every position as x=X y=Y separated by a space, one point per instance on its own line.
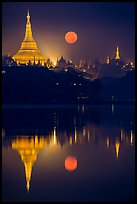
x=117 y=54
x=28 y=149
x=29 y=53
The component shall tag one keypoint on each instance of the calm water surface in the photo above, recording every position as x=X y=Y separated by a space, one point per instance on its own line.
x=68 y=153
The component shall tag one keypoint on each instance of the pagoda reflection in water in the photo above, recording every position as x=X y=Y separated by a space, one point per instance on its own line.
x=29 y=147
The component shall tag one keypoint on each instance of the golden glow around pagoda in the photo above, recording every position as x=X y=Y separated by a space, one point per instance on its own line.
x=29 y=53
x=117 y=54
x=28 y=149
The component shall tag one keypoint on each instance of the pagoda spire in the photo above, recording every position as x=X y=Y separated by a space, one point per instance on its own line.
x=28 y=13
x=28 y=32
x=117 y=53
x=28 y=170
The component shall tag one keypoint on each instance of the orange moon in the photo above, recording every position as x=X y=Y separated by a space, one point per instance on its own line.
x=70 y=163
x=71 y=37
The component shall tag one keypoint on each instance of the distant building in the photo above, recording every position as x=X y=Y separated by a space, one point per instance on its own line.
x=83 y=64
x=29 y=53
x=117 y=54
x=70 y=64
x=90 y=66
x=49 y=63
x=113 y=67
x=62 y=63
x=117 y=61
x=8 y=61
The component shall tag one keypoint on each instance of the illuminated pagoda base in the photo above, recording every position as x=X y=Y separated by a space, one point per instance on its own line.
x=29 y=53
x=31 y=57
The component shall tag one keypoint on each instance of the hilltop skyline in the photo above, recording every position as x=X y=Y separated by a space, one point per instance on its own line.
x=100 y=28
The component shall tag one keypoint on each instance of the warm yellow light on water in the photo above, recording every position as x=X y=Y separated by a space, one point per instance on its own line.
x=28 y=149
x=117 y=146
x=55 y=137
x=75 y=135
x=70 y=140
x=107 y=142
x=131 y=137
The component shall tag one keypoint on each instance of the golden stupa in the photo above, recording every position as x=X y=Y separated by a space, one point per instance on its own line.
x=28 y=148
x=29 y=53
x=117 y=54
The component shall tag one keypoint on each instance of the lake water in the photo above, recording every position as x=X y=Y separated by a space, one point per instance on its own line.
x=68 y=153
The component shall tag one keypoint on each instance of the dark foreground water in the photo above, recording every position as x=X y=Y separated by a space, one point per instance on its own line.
x=68 y=153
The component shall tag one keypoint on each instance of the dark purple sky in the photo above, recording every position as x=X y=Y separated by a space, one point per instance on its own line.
x=100 y=28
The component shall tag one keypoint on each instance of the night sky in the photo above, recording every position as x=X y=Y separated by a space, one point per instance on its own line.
x=100 y=28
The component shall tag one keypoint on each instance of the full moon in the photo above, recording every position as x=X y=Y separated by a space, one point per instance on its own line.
x=71 y=37
x=70 y=163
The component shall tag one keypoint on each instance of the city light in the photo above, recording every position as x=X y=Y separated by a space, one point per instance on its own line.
x=54 y=63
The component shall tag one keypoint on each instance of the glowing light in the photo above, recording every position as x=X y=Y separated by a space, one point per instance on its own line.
x=88 y=136
x=117 y=54
x=117 y=147
x=131 y=137
x=54 y=63
x=70 y=141
x=107 y=142
x=28 y=148
x=71 y=37
x=84 y=131
x=70 y=163
x=122 y=134
x=75 y=135
x=54 y=135
x=108 y=60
